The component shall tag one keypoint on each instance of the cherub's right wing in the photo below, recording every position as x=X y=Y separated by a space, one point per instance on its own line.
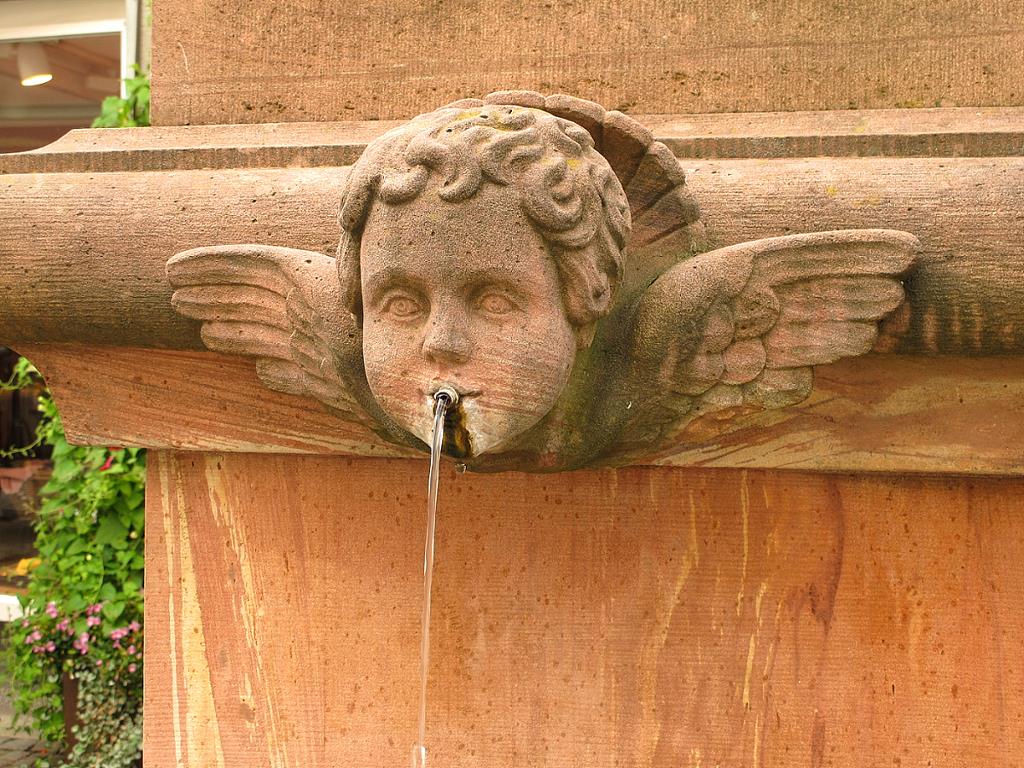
x=740 y=328
x=282 y=306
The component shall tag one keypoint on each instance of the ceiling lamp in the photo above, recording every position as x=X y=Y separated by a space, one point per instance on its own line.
x=33 y=68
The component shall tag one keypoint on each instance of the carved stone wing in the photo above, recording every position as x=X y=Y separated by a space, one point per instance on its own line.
x=740 y=327
x=282 y=306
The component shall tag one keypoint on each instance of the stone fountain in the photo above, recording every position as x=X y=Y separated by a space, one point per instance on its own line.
x=640 y=335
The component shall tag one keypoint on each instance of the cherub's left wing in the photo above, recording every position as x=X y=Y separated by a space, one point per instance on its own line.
x=283 y=307
x=740 y=327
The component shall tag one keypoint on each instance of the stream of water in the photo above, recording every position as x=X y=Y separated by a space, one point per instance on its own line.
x=442 y=401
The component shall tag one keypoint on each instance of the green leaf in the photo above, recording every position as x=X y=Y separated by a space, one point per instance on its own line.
x=108 y=592
x=111 y=532
x=113 y=611
x=133 y=110
x=77 y=546
x=63 y=472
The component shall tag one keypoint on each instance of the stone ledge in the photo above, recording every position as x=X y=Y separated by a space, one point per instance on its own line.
x=940 y=132
x=880 y=413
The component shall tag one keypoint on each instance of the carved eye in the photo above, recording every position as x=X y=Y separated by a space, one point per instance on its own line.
x=495 y=304
x=402 y=307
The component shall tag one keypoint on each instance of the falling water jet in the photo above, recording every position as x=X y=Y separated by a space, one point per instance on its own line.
x=444 y=398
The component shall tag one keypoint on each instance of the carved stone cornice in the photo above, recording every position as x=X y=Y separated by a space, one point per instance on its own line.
x=88 y=223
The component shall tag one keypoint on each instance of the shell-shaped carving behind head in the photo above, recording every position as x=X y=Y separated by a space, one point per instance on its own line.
x=566 y=188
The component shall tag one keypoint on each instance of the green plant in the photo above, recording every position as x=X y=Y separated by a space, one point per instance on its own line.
x=23 y=377
x=84 y=601
x=130 y=111
x=111 y=731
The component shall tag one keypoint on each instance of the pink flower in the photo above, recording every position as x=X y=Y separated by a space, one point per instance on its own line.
x=94 y=608
x=51 y=647
x=64 y=626
x=81 y=643
x=33 y=637
x=99 y=662
x=132 y=668
x=92 y=621
x=131 y=650
x=135 y=626
x=51 y=610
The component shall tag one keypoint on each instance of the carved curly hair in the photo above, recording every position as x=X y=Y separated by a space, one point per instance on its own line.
x=564 y=186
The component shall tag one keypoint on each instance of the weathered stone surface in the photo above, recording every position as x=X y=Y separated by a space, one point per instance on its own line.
x=239 y=184
x=879 y=413
x=872 y=615
x=742 y=200
x=945 y=132
x=641 y=616
x=231 y=61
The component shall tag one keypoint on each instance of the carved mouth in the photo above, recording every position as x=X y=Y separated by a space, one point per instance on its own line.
x=458 y=442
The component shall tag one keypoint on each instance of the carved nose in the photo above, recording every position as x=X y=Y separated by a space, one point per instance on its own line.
x=446 y=342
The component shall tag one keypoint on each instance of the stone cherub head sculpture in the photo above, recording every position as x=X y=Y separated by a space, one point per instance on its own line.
x=480 y=248
x=540 y=256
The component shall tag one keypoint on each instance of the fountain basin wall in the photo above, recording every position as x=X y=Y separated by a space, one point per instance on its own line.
x=640 y=616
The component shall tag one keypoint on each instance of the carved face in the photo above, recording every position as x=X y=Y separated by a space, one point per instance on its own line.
x=464 y=294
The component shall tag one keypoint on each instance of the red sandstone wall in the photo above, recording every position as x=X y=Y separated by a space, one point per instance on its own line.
x=643 y=617
x=283 y=60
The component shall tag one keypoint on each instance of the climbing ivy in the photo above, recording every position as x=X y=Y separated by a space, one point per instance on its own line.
x=22 y=378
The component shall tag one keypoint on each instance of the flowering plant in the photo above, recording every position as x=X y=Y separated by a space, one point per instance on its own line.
x=83 y=608
x=61 y=640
